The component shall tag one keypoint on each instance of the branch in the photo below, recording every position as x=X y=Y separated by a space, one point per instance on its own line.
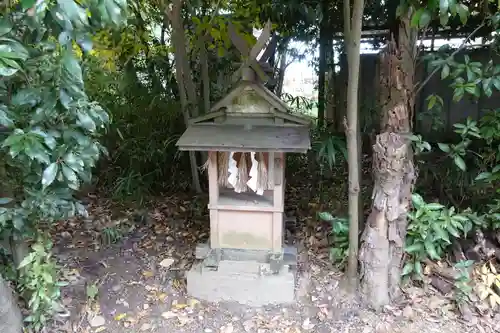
x=462 y=46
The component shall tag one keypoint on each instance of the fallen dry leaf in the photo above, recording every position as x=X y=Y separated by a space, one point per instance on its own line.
x=145 y=327
x=179 y=306
x=167 y=262
x=148 y=274
x=227 y=328
x=193 y=302
x=169 y=315
x=307 y=325
x=97 y=321
x=120 y=316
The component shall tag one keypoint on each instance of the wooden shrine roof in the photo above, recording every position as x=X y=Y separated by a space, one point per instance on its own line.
x=242 y=138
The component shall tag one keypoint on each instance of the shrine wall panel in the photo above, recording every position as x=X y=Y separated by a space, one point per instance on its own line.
x=245 y=229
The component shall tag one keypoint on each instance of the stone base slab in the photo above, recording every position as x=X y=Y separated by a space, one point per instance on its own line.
x=252 y=285
x=289 y=255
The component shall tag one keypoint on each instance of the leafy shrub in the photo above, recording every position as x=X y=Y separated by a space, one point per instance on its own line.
x=431 y=230
x=50 y=129
x=38 y=281
x=339 y=237
x=143 y=158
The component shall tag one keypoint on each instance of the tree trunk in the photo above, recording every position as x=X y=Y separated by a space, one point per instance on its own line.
x=282 y=69
x=383 y=239
x=352 y=37
x=183 y=75
x=330 y=95
x=205 y=76
x=323 y=45
x=11 y=320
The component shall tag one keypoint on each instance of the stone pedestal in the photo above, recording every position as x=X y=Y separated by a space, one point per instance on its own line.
x=254 y=278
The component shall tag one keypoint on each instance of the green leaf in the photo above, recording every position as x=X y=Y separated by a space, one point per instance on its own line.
x=459 y=162
x=441 y=233
x=431 y=250
x=417 y=200
x=487 y=91
x=434 y=206
x=65 y=38
x=28 y=3
x=496 y=83
x=85 y=44
x=92 y=291
x=5 y=26
x=86 y=121
x=4 y=201
x=443 y=19
x=69 y=174
x=47 y=277
x=73 y=12
x=407 y=269
x=13 y=49
x=425 y=19
x=463 y=12
x=443 y=6
x=7 y=70
x=18 y=223
x=432 y=101
x=417 y=247
x=418 y=268
x=464 y=263
x=461 y=218
x=27 y=260
x=26 y=96
x=326 y=216
x=451 y=229
x=72 y=69
x=467 y=227
x=5 y=120
x=458 y=93
x=49 y=174
x=445 y=72
x=472 y=89
x=444 y=147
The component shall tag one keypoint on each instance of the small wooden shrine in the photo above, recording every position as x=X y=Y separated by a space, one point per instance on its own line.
x=246 y=135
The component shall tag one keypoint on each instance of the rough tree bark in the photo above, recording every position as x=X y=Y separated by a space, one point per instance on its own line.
x=352 y=38
x=330 y=93
x=187 y=92
x=382 y=243
x=11 y=320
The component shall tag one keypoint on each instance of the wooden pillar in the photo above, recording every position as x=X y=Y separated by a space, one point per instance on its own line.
x=213 y=191
x=278 y=200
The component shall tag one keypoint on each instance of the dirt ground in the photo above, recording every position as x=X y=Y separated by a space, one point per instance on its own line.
x=138 y=285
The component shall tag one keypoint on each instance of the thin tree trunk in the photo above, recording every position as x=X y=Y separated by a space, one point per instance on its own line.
x=323 y=43
x=330 y=96
x=182 y=74
x=383 y=239
x=352 y=37
x=205 y=76
x=282 y=69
